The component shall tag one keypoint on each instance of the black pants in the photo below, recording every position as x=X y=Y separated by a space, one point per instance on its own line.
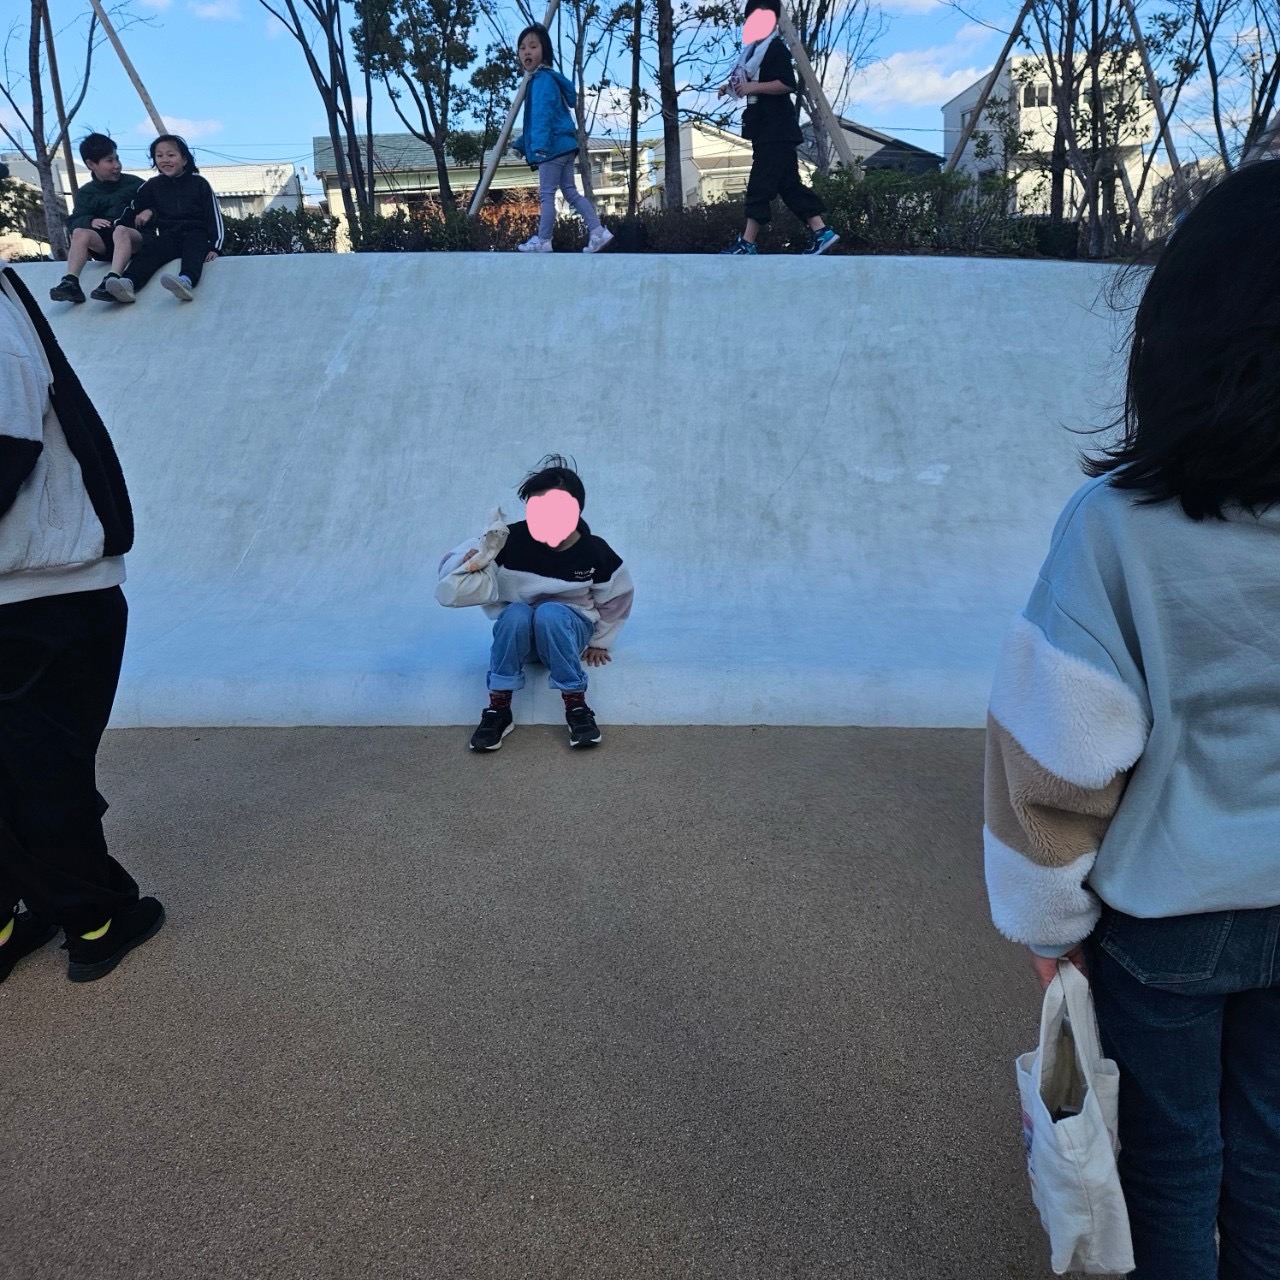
x=190 y=245
x=59 y=666
x=775 y=171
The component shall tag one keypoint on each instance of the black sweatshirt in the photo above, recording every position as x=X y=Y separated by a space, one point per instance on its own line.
x=772 y=117
x=181 y=203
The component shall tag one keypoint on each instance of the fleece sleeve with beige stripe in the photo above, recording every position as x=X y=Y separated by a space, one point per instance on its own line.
x=1063 y=733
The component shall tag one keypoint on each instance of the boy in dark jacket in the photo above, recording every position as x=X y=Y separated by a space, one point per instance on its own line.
x=180 y=206
x=98 y=204
x=65 y=525
x=765 y=76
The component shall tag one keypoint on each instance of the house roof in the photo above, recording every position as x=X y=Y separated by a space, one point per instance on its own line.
x=871 y=145
x=405 y=152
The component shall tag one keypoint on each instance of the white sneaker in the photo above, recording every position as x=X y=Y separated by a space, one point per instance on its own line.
x=534 y=244
x=119 y=288
x=599 y=238
x=179 y=286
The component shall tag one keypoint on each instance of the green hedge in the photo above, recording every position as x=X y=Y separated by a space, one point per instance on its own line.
x=880 y=212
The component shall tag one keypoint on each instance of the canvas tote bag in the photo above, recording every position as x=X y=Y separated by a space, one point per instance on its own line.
x=1069 y=1095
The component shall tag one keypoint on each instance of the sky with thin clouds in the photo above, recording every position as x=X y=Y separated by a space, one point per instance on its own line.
x=229 y=78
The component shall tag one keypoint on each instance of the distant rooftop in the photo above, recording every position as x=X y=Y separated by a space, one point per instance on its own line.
x=403 y=152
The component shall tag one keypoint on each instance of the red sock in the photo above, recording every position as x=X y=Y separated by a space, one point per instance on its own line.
x=573 y=699
x=500 y=698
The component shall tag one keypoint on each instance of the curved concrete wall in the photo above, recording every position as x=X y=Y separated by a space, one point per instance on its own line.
x=833 y=480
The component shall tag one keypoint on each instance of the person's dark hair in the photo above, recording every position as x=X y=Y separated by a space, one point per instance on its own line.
x=554 y=472
x=188 y=160
x=95 y=147
x=774 y=6
x=1201 y=418
x=544 y=37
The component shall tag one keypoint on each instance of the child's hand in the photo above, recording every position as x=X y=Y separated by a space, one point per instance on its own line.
x=597 y=657
x=101 y=224
x=142 y=217
x=209 y=257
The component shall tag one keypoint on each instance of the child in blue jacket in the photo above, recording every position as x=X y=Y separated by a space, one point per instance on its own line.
x=550 y=142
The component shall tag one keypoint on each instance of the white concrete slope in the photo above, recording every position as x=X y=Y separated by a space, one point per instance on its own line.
x=833 y=480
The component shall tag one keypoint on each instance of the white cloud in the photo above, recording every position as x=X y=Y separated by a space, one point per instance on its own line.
x=192 y=130
x=915 y=78
x=156 y=6
x=359 y=106
x=217 y=10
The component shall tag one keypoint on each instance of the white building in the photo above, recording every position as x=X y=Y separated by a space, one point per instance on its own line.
x=1022 y=101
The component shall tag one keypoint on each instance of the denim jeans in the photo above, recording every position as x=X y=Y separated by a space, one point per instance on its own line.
x=558 y=175
x=553 y=633
x=1189 y=1007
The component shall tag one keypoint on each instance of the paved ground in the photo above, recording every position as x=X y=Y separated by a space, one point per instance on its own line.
x=705 y=1003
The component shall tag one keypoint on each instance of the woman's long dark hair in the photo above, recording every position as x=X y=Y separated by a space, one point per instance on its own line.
x=1201 y=417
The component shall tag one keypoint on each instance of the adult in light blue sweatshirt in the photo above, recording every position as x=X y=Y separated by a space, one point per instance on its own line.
x=550 y=141
x=1133 y=748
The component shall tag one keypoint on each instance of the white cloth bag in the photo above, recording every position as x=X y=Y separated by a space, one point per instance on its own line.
x=470 y=582
x=1072 y=1158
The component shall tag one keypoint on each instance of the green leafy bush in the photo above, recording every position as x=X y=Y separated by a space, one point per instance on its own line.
x=281 y=231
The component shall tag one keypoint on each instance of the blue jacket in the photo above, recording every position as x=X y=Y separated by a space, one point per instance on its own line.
x=549 y=129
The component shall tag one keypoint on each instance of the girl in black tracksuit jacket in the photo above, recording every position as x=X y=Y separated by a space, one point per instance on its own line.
x=179 y=205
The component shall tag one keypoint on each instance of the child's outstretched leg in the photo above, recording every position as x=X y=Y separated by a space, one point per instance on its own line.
x=560 y=636
x=548 y=183
x=125 y=242
x=805 y=203
x=150 y=257
x=512 y=648
x=597 y=234
x=195 y=245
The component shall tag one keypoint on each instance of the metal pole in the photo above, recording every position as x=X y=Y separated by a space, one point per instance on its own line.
x=834 y=131
x=57 y=98
x=967 y=132
x=128 y=66
x=504 y=135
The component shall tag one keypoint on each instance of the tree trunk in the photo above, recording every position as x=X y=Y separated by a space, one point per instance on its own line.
x=673 y=173
x=448 y=201
x=55 y=209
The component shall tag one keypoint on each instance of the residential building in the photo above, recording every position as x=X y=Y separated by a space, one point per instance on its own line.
x=406 y=176
x=873 y=150
x=1021 y=104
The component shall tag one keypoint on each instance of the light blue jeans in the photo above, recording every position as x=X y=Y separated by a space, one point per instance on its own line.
x=553 y=633
x=559 y=175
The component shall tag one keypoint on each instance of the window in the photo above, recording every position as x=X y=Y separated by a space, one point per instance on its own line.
x=1035 y=95
x=965 y=117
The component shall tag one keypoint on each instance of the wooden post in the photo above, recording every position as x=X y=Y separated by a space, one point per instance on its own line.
x=967 y=132
x=1153 y=86
x=57 y=97
x=128 y=66
x=477 y=198
x=805 y=67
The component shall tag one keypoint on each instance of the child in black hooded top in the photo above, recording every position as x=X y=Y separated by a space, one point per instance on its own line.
x=181 y=207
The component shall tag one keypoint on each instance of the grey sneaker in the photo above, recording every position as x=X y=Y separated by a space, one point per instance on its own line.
x=120 y=288
x=535 y=244
x=179 y=286
x=600 y=237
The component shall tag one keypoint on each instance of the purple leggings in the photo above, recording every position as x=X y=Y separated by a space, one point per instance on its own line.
x=558 y=174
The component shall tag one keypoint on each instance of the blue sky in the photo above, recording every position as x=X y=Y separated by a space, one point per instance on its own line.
x=225 y=75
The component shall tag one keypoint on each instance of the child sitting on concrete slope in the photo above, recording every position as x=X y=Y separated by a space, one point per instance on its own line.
x=98 y=204
x=550 y=142
x=556 y=592
x=180 y=205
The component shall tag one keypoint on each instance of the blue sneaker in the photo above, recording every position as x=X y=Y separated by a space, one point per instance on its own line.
x=822 y=241
x=741 y=246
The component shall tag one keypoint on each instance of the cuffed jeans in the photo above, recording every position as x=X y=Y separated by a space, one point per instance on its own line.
x=558 y=175
x=1189 y=1007
x=553 y=633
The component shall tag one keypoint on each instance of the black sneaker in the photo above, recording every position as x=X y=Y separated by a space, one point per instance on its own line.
x=495 y=724
x=101 y=293
x=583 y=730
x=67 y=290
x=29 y=934
x=88 y=961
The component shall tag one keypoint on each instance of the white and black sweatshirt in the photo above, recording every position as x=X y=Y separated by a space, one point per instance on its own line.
x=588 y=576
x=178 y=204
x=65 y=519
